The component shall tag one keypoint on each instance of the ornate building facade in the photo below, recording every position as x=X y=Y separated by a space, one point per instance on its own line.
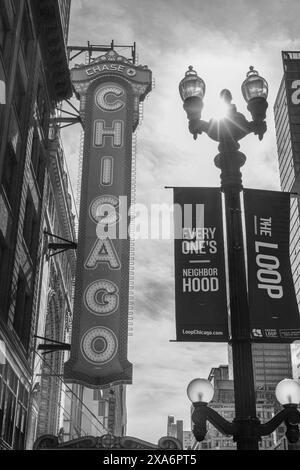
x=34 y=75
x=55 y=299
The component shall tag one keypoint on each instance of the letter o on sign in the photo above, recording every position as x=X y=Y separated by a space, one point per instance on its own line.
x=268 y=276
x=267 y=262
x=99 y=345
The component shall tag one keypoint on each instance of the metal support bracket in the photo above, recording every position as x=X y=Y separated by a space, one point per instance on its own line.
x=54 y=346
x=69 y=119
x=58 y=248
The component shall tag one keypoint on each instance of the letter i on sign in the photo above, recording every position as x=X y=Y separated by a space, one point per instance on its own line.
x=107 y=171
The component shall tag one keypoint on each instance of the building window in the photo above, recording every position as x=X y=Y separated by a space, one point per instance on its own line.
x=5 y=40
x=16 y=4
x=42 y=107
x=22 y=318
x=13 y=408
x=19 y=94
x=9 y=174
x=40 y=172
x=31 y=228
x=4 y=260
x=38 y=162
x=35 y=151
x=27 y=39
x=9 y=405
x=20 y=423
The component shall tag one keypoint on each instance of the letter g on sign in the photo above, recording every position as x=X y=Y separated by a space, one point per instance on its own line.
x=102 y=297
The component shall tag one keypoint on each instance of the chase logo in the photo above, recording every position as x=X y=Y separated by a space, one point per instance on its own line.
x=131 y=72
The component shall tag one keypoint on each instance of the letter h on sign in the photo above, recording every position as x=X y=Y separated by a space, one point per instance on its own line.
x=115 y=133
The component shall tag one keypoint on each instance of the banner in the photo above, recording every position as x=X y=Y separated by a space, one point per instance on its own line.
x=274 y=314
x=200 y=284
x=110 y=90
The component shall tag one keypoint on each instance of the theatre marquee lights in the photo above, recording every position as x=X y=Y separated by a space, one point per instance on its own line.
x=110 y=90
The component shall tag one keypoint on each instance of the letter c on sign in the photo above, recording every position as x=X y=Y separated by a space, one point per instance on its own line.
x=102 y=98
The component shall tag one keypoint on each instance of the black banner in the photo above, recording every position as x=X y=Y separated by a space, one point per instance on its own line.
x=200 y=284
x=274 y=314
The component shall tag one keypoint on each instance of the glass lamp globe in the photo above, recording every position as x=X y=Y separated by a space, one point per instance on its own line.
x=200 y=390
x=254 y=86
x=191 y=85
x=288 y=392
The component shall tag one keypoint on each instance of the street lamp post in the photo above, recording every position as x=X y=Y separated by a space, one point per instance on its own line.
x=228 y=132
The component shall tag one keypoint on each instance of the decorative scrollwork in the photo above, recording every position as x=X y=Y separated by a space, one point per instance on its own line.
x=107 y=441
x=169 y=443
x=46 y=442
x=129 y=442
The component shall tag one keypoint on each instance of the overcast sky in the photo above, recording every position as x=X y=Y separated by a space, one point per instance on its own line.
x=221 y=39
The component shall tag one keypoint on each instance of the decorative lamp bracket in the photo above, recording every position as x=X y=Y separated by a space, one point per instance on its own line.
x=245 y=428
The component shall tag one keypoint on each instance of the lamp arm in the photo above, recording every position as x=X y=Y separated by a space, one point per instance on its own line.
x=258 y=128
x=232 y=128
x=203 y=413
x=197 y=126
x=289 y=414
x=221 y=424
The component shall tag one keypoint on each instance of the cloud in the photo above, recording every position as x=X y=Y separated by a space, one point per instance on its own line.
x=173 y=24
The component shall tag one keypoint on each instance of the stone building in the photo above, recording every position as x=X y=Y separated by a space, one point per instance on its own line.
x=55 y=298
x=34 y=76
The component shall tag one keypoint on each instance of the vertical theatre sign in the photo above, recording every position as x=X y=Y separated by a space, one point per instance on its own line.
x=274 y=314
x=200 y=285
x=110 y=91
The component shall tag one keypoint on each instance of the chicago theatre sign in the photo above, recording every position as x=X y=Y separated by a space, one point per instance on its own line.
x=110 y=91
